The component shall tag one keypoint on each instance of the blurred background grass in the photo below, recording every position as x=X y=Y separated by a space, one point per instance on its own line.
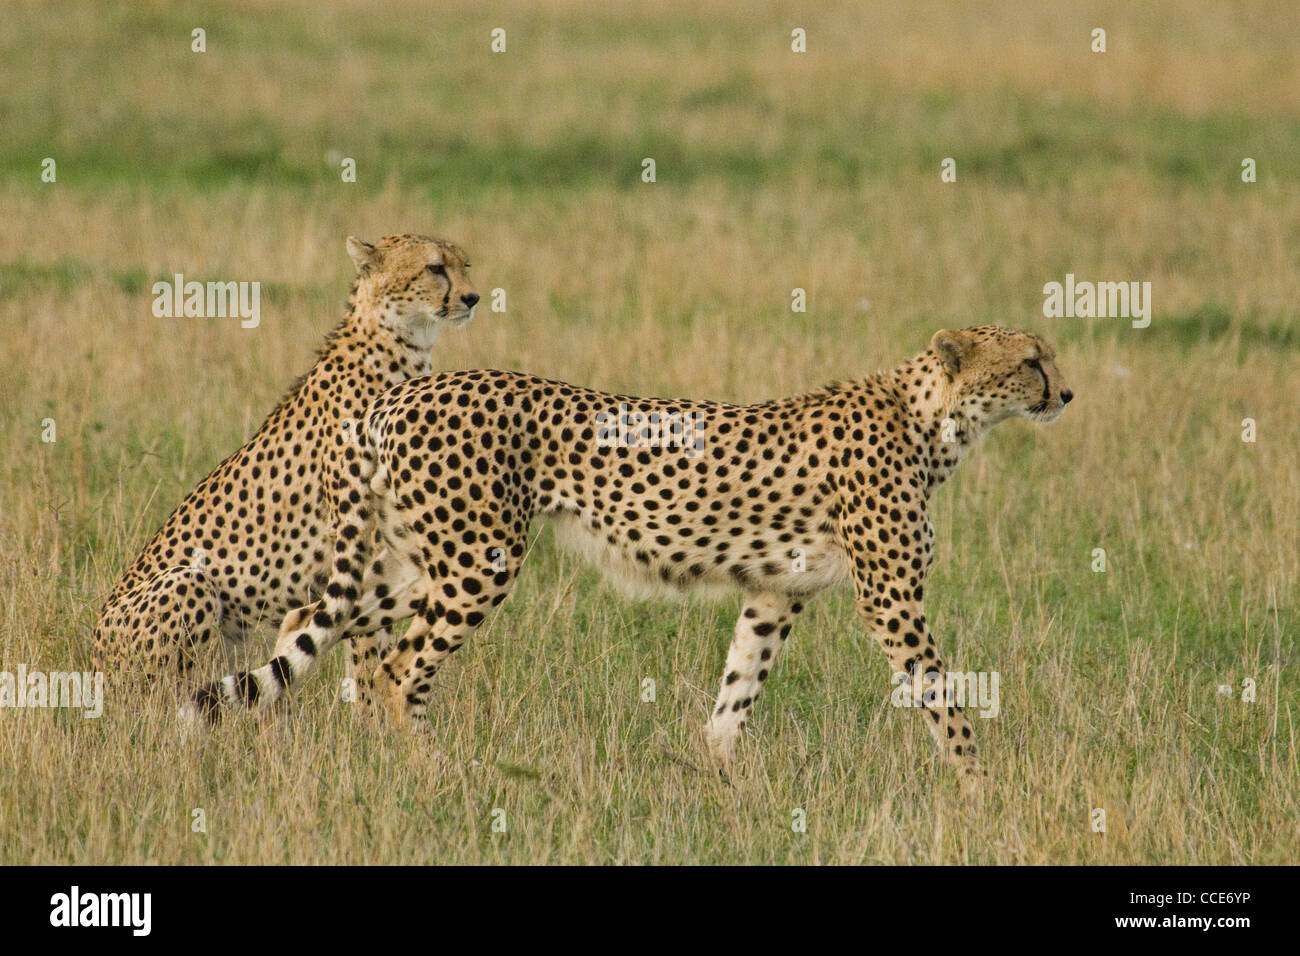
x=775 y=170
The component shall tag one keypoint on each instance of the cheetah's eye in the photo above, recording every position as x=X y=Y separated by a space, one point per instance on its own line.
x=438 y=270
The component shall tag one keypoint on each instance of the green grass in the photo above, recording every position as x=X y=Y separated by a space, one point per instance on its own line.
x=775 y=171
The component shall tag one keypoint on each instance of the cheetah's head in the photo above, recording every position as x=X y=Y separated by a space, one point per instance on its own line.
x=414 y=283
x=996 y=373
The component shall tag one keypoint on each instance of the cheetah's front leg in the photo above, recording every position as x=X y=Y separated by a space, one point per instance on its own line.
x=902 y=633
x=364 y=653
x=389 y=593
x=890 y=552
x=761 y=631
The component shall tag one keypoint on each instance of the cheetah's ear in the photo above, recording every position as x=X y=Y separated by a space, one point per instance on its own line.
x=953 y=349
x=363 y=254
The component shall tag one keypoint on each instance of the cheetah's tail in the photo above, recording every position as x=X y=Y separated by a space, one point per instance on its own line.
x=299 y=655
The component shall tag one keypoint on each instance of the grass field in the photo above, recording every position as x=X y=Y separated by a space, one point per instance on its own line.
x=774 y=170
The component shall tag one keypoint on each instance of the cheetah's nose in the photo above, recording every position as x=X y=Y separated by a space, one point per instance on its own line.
x=470 y=299
x=1066 y=396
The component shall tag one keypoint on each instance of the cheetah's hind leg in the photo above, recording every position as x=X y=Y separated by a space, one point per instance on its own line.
x=761 y=631
x=161 y=628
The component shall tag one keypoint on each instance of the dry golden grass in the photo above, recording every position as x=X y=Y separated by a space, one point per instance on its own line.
x=774 y=172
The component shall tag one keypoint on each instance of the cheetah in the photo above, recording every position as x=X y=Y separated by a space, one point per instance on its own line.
x=686 y=495
x=253 y=539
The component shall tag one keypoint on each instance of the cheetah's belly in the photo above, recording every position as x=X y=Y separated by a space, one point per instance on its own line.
x=803 y=567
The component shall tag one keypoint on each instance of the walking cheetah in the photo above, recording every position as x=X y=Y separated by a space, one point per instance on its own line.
x=253 y=539
x=686 y=494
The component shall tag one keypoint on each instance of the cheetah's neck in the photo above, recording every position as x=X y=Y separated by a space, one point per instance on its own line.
x=389 y=357
x=942 y=425
x=359 y=360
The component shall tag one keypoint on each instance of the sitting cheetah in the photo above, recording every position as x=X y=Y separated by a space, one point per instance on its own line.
x=253 y=539
x=683 y=494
